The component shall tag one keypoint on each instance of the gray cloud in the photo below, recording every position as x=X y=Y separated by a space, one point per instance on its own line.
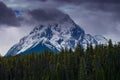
x=34 y=4
x=7 y=16
x=80 y=1
x=110 y=8
x=39 y=0
x=45 y=15
x=93 y=1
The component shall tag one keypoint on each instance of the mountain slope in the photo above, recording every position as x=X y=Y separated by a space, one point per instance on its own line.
x=54 y=36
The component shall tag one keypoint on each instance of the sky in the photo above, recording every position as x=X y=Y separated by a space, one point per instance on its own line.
x=19 y=17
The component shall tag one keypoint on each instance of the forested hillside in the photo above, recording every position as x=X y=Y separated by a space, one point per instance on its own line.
x=99 y=63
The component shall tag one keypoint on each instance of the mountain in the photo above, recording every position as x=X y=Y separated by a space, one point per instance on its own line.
x=54 y=36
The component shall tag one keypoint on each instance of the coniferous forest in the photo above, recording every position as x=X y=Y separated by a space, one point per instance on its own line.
x=95 y=63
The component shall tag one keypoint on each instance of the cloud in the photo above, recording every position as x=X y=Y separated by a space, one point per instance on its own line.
x=75 y=1
x=47 y=15
x=35 y=4
x=29 y=4
x=92 y=1
x=7 y=16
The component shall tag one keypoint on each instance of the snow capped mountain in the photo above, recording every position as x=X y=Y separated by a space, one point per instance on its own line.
x=54 y=36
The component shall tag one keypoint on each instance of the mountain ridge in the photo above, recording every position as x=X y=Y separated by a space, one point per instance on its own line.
x=54 y=36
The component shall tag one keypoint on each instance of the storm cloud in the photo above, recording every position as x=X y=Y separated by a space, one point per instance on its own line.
x=93 y=1
x=7 y=16
x=47 y=15
x=78 y=1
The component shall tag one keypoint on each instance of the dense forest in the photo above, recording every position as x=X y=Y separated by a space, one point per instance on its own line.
x=101 y=62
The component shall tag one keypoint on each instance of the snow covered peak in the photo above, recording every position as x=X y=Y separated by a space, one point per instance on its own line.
x=53 y=36
x=65 y=26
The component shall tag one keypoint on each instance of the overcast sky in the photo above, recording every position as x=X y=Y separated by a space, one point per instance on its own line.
x=96 y=17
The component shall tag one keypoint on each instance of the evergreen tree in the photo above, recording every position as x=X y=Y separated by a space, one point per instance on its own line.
x=82 y=70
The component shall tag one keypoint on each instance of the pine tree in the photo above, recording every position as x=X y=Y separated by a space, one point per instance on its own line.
x=58 y=71
x=82 y=70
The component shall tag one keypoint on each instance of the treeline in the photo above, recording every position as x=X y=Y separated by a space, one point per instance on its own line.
x=99 y=63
